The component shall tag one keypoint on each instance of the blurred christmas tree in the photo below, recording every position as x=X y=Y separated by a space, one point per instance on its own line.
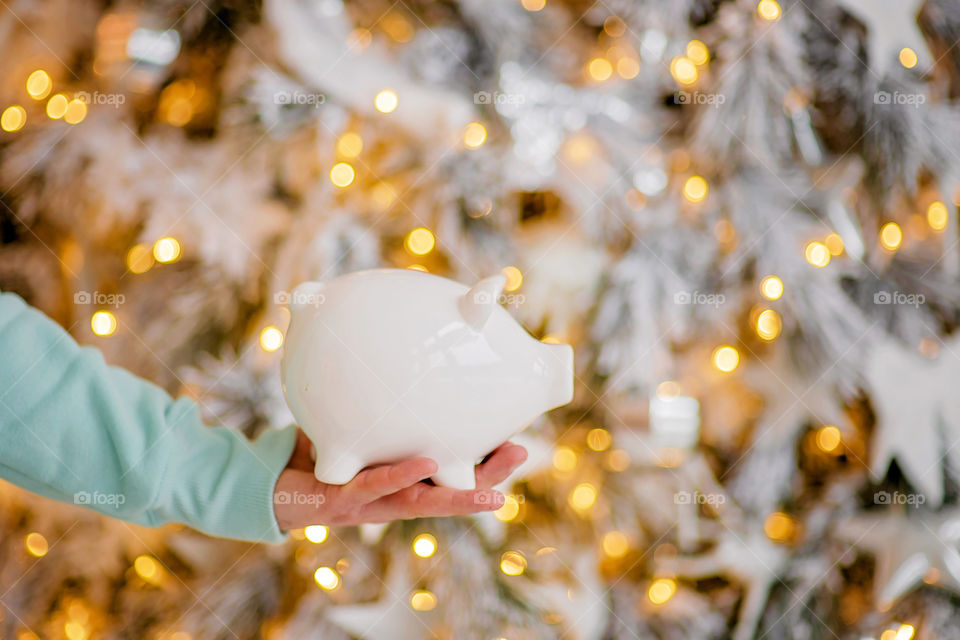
x=742 y=215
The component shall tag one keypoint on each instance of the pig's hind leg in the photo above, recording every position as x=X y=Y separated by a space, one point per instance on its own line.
x=336 y=468
x=456 y=475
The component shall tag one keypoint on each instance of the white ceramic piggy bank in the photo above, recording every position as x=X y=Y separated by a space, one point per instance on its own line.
x=388 y=364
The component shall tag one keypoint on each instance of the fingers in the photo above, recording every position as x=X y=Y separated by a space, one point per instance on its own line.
x=426 y=501
x=500 y=464
x=371 y=484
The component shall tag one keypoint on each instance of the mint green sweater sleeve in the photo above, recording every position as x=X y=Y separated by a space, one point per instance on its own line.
x=74 y=429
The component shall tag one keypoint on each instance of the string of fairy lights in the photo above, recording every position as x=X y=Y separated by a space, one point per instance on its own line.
x=177 y=105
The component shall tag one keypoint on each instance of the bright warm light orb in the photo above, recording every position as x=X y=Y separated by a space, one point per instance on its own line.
x=583 y=496
x=75 y=112
x=36 y=544
x=316 y=533
x=146 y=567
x=423 y=600
x=600 y=69
x=779 y=526
x=564 y=458
x=512 y=563
x=350 y=144
x=166 y=250
x=327 y=578
x=103 y=323
x=628 y=68
x=771 y=287
x=271 y=339
x=615 y=544
x=386 y=101
x=39 y=84
x=828 y=438
x=908 y=58
x=13 y=118
x=474 y=135
x=937 y=215
x=514 y=278
x=57 y=106
x=698 y=52
x=661 y=590
x=891 y=236
x=683 y=70
x=420 y=241
x=817 y=254
x=425 y=545
x=726 y=358
x=509 y=510
x=695 y=189
x=342 y=175
x=769 y=324
x=769 y=10
x=139 y=258
x=834 y=244
x=599 y=439
x=533 y=5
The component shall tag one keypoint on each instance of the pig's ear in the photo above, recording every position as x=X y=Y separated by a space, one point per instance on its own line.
x=477 y=304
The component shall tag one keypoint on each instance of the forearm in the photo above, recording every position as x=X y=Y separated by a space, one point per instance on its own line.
x=76 y=430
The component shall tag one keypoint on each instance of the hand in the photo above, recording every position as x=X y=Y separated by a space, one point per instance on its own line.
x=386 y=492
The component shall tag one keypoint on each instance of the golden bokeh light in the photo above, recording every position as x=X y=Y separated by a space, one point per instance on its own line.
x=326 y=578
x=615 y=544
x=683 y=70
x=769 y=10
x=423 y=600
x=599 y=439
x=834 y=244
x=564 y=458
x=533 y=5
x=512 y=563
x=817 y=254
x=726 y=358
x=342 y=174
x=139 y=258
x=39 y=84
x=75 y=112
x=908 y=58
x=57 y=106
x=628 y=68
x=350 y=144
x=147 y=568
x=509 y=510
x=698 y=52
x=166 y=250
x=474 y=135
x=386 y=101
x=771 y=287
x=425 y=545
x=661 y=590
x=13 y=118
x=695 y=189
x=600 y=69
x=36 y=545
x=514 y=278
x=583 y=496
x=828 y=438
x=420 y=241
x=937 y=216
x=891 y=236
x=769 y=324
x=779 y=526
x=271 y=339
x=103 y=323
x=316 y=533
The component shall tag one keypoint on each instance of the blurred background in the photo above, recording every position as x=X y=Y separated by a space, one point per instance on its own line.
x=742 y=215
